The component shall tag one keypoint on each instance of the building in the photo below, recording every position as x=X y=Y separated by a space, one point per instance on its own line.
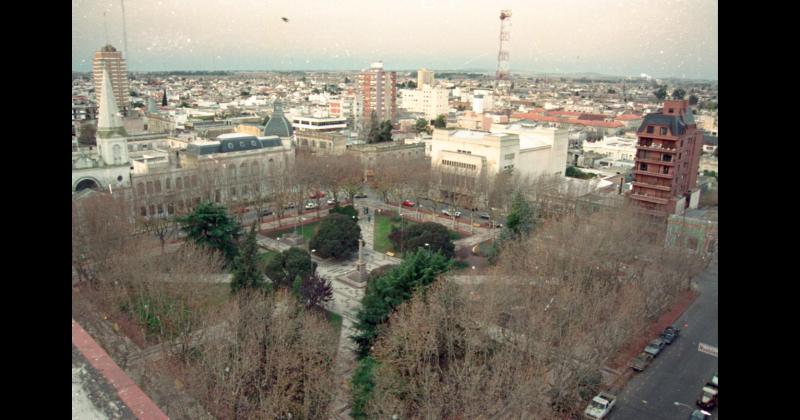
x=424 y=78
x=109 y=58
x=371 y=154
x=429 y=101
x=667 y=159
x=542 y=150
x=697 y=231
x=321 y=142
x=616 y=148
x=377 y=90
x=109 y=165
x=319 y=124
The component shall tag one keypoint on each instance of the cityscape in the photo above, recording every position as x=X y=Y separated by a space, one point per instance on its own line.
x=291 y=211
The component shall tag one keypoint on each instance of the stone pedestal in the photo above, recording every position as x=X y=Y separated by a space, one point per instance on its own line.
x=293 y=239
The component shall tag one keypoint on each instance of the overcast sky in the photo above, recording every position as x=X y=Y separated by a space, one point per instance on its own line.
x=661 y=38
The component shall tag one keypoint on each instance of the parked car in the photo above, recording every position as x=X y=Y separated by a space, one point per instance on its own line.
x=332 y=202
x=290 y=206
x=311 y=205
x=700 y=415
x=484 y=216
x=266 y=212
x=359 y=195
x=408 y=203
x=715 y=380
x=600 y=406
x=654 y=347
x=642 y=361
x=708 y=398
x=451 y=213
x=670 y=334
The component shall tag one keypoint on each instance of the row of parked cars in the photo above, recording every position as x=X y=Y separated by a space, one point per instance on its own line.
x=654 y=348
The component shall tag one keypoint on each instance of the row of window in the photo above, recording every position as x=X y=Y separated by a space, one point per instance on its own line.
x=661 y=130
x=459 y=164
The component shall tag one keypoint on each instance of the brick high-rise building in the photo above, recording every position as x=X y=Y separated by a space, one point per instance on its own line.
x=108 y=57
x=377 y=90
x=667 y=159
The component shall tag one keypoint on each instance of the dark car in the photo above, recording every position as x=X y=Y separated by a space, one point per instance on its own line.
x=484 y=216
x=670 y=334
x=360 y=195
x=641 y=362
x=700 y=415
x=266 y=212
x=654 y=347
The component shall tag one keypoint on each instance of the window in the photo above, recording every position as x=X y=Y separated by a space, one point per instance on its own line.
x=672 y=110
x=642 y=166
x=152 y=209
x=693 y=244
x=143 y=211
x=160 y=209
x=149 y=187
x=179 y=183
x=663 y=131
x=158 y=185
x=169 y=183
x=509 y=156
x=170 y=208
x=650 y=129
x=140 y=188
x=666 y=158
x=665 y=170
x=117 y=152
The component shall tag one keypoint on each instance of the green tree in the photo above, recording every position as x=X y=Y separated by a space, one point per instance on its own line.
x=284 y=268
x=363 y=382
x=693 y=99
x=411 y=84
x=661 y=93
x=440 y=122
x=383 y=295
x=385 y=131
x=373 y=135
x=337 y=237
x=209 y=225
x=678 y=93
x=247 y=270
x=521 y=218
x=422 y=125
x=418 y=235
x=348 y=211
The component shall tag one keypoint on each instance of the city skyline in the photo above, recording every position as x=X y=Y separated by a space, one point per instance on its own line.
x=612 y=37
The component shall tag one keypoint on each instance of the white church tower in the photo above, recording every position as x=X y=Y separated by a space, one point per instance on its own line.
x=112 y=139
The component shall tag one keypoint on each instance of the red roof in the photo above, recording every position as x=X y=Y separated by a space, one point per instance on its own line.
x=562 y=120
x=628 y=117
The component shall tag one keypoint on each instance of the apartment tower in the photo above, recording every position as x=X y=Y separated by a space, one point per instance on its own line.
x=667 y=159
x=378 y=92
x=108 y=57
x=424 y=77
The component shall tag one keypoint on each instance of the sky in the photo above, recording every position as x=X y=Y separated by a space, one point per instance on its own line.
x=660 y=38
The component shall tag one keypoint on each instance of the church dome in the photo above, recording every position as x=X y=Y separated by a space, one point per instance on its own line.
x=278 y=125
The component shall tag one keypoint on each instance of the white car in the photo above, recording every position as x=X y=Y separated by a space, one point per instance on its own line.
x=331 y=202
x=451 y=212
x=311 y=205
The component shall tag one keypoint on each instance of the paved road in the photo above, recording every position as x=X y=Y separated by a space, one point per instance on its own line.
x=679 y=373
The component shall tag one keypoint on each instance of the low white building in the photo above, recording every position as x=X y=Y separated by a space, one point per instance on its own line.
x=542 y=150
x=304 y=123
x=616 y=148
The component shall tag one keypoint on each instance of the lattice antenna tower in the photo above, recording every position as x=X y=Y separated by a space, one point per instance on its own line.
x=502 y=55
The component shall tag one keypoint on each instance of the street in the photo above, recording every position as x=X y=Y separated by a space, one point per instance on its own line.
x=669 y=388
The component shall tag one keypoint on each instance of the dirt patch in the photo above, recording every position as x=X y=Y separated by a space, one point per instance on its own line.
x=655 y=328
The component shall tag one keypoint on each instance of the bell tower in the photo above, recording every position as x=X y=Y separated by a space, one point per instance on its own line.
x=112 y=139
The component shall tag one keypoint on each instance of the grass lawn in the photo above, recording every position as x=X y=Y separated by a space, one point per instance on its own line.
x=266 y=253
x=306 y=230
x=383 y=227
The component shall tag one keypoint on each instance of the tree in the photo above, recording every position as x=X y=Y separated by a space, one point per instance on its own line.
x=428 y=235
x=661 y=93
x=373 y=135
x=88 y=132
x=247 y=270
x=210 y=226
x=678 y=93
x=362 y=384
x=417 y=270
x=521 y=219
x=287 y=266
x=164 y=99
x=422 y=125
x=693 y=99
x=411 y=84
x=348 y=211
x=162 y=227
x=337 y=237
x=440 y=122
x=313 y=290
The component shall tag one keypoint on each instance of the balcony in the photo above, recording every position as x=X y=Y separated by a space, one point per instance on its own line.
x=656 y=161
x=656 y=174
x=657 y=148
x=649 y=198
x=652 y=186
